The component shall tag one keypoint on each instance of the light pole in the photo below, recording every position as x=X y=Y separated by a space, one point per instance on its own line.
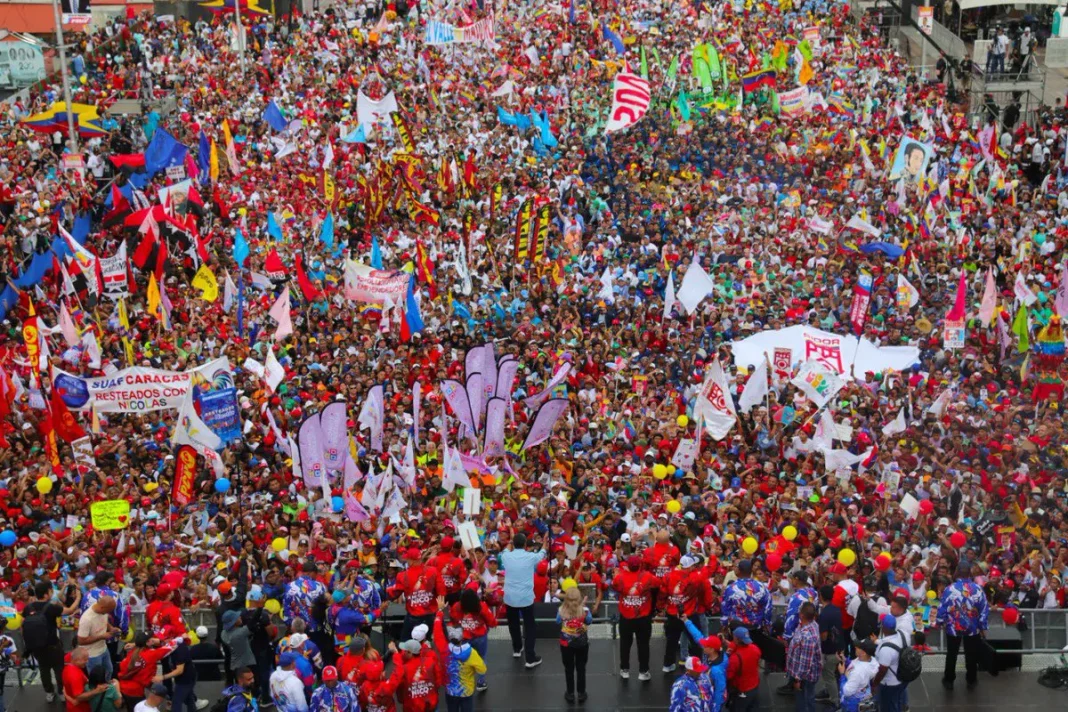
x=71 y=132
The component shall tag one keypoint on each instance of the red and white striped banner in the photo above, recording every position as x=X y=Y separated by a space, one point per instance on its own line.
x=630 y=101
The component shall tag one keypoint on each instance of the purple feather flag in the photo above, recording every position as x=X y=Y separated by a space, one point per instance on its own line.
x=310 y=442
x=475 y=395
x=335 y=435
x=456 y=396
x=495 y=414
x=542 y=426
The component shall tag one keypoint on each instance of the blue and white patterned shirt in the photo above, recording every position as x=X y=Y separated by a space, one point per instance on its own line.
x=964 y=609
x=299 y=600
x=793 y=609
x=120 y=617
x=748 y=601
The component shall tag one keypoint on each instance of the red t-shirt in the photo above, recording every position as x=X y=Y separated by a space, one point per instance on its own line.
x=74 y=683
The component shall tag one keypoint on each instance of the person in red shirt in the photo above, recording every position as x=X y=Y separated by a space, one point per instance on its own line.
x=541 y=580
x=637 y=591
x=376 y=693
x=422 y=673
x=420 y=585
x=743 y=670
x=354 y=663
x=475 y=618
x=76 y=688
x=662 y=557
x=682 y=594
x=163 y=617
x=451 y=567
x=139 y=667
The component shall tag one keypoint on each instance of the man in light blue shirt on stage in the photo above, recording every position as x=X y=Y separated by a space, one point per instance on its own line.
x=519 y=565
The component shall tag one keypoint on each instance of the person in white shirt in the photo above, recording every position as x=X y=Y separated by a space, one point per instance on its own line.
x=887 y=654
x=899 y=609
x=155 y=695
x=858 y=674
x=287 y=691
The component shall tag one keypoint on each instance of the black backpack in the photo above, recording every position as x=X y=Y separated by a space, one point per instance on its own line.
x=866 y=622
x=223 y=703
x=35 y=629
x=909 y=661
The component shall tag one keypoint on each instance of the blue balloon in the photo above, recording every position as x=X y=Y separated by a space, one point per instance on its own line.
x=338 y=503
x=8 y=537
x=222 y=485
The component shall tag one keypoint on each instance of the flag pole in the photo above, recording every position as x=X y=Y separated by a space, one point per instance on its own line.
x=71 y=133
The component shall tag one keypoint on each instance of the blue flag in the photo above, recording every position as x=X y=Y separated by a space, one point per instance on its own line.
x=376 y=253
x=520 y=121
x=326 y=233
x=541 y=121
x=80 y=229
x=461 y=311
x=571 y=13
x=241 y=249
x=614 y=39
x=357 y=136
x=273 y=228
x=163 y=151
x=273 y=116
x=411 y=309
x=204 y=158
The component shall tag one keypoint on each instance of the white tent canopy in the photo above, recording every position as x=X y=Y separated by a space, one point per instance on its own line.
x=837 y=352
x=972 y=4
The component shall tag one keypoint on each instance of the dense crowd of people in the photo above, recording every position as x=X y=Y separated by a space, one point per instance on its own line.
x=484 y=351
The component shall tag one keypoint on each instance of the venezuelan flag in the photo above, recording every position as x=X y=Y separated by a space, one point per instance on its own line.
x=55 y=118
x=754 y=80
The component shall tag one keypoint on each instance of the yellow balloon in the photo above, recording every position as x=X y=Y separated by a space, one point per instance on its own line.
x=789 y=532
x=931 y=595
x=567 y=583
x=273 y=606
x=44 y=485
x=278 y=544
x=847 y=557
x=14 y=622
x=129 y=635
x=659 y=472
x=671 y=469
x=673 y=506
x=682 y=421
x=749 y=545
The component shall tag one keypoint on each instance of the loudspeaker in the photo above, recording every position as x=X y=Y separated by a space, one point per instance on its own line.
x=1001 y=640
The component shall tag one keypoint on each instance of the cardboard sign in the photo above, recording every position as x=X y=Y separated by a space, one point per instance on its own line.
x=111 y=514
x=472 y=501
x=468 y=536
x=685 y=454
x=83 y=451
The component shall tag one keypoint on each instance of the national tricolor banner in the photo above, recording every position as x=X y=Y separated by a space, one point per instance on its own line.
x=630 y=101
x=763 y=78
x=858 y=312
x=522 y=230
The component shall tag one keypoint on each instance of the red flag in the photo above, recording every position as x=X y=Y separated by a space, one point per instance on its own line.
x=273 y=265
x=185 y=475
x=310 y=291
x=957 y=312
x=48 y=436
x=470 y=171
x=63 y=420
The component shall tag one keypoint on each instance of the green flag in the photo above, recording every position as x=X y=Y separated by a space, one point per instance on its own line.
x=1019 y=327
x=645 y=64
x=805 y=49
x=673 y=70
x=775 y=102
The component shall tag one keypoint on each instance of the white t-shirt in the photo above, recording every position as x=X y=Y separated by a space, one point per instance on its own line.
x=90 y=625
x=858 y=676
x=888 y=656
x=906 y=624
x=143 y=706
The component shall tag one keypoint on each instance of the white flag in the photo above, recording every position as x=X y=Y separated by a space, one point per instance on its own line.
x=66 y=325
x=454 y=474
x=282 y=315
x=756 y=388
x=274 y=372
x=714 y=405
x=606 y=286
x=669 y=296
x=696 y=285
x=825 y=431
x=1023 y=292
x=990 y=299
x=191 y=430
x=843 y=459
x=895 y=426
x=941 y=403
x=229 y=293
x=407 y=468
x=858 y=223
x=818 y=382
x=907 y=295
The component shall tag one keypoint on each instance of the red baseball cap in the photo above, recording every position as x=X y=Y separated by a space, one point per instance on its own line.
x=694 y=664
x=839 y=568
x=329 y=673
x=447 y=542
x=713 y=642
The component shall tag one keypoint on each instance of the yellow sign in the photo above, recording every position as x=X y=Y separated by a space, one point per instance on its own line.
x=112 y=514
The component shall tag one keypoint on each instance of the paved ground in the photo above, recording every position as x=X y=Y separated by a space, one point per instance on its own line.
x=515 y=689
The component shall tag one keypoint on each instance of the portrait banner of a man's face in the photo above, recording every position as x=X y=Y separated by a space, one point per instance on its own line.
x=911 y=160
x=75 y=7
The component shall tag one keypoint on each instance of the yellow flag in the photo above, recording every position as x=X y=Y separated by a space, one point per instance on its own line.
x=805 y=74
x=94 y=424
x=213 y=166
x=154 y=301
x=231 y=152
x=124 y=318
x=205 y=281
